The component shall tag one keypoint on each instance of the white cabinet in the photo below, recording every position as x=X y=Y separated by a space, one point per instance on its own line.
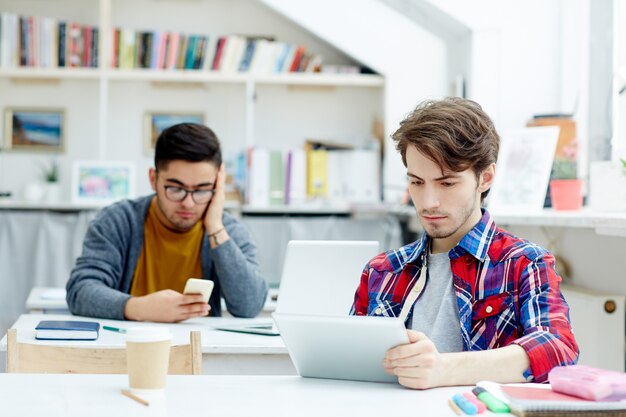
x=105 y=107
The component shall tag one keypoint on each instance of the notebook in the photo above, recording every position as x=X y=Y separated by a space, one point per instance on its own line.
x=319 y=277
x=529 y=400
x=67 y=330
x=341 y=347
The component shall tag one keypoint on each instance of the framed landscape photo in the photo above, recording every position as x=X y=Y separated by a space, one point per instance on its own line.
x=156 y=122
x=34 y=129
x=102 y=182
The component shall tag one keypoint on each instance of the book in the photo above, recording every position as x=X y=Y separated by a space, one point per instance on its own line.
x=529 y=400
x=67 y=330
x=276 y=179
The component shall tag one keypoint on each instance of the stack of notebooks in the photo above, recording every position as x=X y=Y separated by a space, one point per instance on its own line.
x=541 y=401
x=573 y=391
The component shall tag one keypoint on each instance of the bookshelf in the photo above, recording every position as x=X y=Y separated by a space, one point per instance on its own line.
x=106 y=106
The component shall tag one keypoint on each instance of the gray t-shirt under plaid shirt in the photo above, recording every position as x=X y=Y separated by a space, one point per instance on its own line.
x=436 y=313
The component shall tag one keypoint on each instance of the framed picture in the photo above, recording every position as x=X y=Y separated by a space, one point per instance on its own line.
x=523 y=170
x=156 y=122
x=34 y=129
x=102 y=181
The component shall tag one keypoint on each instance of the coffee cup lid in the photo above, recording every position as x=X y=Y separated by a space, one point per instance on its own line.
x=148 y=334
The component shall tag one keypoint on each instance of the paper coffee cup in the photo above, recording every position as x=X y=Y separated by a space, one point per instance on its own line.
x=147 y=358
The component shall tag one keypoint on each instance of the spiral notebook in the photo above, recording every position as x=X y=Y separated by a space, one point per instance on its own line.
x=530 y=400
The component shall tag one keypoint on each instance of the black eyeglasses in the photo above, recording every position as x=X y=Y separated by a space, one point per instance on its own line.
x=177 y=194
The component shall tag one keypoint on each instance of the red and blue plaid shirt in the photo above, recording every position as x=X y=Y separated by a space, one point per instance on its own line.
x=507 y=292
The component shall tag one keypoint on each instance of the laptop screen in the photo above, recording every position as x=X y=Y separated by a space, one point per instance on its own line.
x=320 y=277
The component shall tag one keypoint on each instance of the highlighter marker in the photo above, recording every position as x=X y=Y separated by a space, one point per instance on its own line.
x=474 y=400
x=464 y=404
x=490 y=401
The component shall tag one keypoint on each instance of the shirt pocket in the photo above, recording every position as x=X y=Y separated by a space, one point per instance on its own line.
x=493 y=320
x=490 y=306
x=383 y=308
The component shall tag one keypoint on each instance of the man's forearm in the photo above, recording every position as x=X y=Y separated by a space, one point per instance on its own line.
x=504 y=365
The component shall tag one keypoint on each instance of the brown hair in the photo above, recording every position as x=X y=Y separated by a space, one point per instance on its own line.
x=454 y=133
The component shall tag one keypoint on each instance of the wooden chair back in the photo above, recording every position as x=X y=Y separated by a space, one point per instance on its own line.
x=37 y=358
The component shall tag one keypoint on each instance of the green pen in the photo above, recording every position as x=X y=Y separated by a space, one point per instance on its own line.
x=490 y=401
x=114 y=329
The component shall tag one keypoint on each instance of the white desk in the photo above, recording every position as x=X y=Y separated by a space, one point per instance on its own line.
x=47 y=300
x=272 y=396
x=52 y=300
x=223 y=353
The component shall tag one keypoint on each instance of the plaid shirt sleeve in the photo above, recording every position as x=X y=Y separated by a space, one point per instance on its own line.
x=544 y=315
x=361 y=297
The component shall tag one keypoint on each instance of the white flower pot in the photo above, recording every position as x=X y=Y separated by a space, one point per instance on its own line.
x=53 y=192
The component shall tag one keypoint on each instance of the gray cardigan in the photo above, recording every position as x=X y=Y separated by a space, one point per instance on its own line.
x=99 y=284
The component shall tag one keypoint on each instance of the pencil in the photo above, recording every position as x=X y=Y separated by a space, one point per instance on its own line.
x=134 y=397
x=114 y=329
x=454 y=407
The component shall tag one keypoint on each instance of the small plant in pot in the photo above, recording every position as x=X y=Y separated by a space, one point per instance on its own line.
x=51 y=173
x=565 y=187
x=51 y=178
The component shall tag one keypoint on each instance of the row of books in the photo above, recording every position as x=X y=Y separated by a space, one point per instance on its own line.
x=230 y=54
x=296 y=177
x=31 y=41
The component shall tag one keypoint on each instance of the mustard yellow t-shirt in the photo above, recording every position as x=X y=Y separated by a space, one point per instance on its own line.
x=167 y=257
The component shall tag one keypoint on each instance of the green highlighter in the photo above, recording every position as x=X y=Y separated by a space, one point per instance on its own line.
x=490 y=401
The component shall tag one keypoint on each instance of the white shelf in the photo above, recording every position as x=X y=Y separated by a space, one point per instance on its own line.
x=57 y=206
x=583 y=218
x=182 y=76
x=11 y=204
x=51 y=73
x=311 y=209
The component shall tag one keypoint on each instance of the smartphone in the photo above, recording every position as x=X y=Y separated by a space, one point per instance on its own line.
x=199 y=286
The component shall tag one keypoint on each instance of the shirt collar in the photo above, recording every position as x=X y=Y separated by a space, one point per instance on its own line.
x=476 y=242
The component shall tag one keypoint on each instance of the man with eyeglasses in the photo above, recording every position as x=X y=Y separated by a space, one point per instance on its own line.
x=138 y=254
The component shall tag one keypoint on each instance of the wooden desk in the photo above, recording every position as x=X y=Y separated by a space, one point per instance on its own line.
x=223 y=353
x=274 y=396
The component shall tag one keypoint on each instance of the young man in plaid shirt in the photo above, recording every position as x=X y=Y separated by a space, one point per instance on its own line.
x=479 y=303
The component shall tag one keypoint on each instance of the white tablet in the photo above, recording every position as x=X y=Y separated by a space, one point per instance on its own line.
x=341 y=347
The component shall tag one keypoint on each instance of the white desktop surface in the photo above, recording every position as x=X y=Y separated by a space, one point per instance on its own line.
x=45 y=299
x=222 y=352
x=276 y=396
x=41 y=299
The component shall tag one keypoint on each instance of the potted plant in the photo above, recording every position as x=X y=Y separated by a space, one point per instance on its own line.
x=51 y=179
x=565 y=187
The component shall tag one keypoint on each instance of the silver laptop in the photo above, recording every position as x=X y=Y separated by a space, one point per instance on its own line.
x=319 y=277
x=341 y=347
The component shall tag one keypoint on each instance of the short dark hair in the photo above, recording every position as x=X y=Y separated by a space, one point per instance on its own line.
x=188 y=142
x=455 y=133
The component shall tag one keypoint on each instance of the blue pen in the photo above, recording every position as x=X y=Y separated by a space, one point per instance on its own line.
x=464 y=404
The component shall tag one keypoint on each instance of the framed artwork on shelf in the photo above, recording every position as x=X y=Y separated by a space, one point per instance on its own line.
x=523 y=170
x=156 y=122
x=34 y=129
x=102 y=182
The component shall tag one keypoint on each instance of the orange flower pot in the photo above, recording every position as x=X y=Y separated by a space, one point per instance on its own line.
x=566 y=194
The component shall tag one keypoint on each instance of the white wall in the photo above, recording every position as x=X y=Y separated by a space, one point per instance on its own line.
x=529 y=57
x=412 y=60
x=619 y=67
